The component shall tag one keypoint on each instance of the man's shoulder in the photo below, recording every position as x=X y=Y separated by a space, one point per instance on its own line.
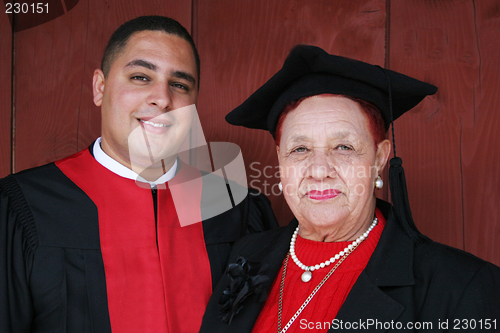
x=231 y=210
x=260 y=244
x=268 y=236
x=31 y=186
x=251 y=215
x=20 y=181
x=48 y=171
x=35 y=173
x=52 y=206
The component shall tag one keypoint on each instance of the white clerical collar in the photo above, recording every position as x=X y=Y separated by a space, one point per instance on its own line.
x=106 y=161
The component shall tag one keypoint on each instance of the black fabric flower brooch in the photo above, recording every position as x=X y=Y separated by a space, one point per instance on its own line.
x=246 y=279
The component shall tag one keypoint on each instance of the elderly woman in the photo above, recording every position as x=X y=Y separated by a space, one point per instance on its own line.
x=348 y=261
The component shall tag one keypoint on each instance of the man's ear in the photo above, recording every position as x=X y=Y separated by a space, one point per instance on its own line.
x=98 y=86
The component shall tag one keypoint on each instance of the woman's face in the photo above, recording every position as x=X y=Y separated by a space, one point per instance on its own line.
x=329 y=163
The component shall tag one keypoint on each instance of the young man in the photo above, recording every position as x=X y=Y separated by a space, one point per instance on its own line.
x=94 y=242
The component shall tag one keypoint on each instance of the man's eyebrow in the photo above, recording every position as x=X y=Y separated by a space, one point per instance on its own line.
x=184 y=75
x=178 y=74
x=142 y=63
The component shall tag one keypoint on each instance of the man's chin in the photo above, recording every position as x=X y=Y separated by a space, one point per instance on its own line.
x=152 y=173
x=152 y=166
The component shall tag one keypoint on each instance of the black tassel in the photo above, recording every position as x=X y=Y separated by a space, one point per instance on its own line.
x=399 y=198
x=397 y=183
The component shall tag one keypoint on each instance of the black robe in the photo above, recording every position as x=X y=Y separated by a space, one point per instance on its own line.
x=403 y=282
x=52 y=275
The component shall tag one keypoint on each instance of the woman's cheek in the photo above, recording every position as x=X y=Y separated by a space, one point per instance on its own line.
x=291 y=177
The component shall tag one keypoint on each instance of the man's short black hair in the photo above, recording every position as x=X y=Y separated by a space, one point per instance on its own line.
x=119 y=39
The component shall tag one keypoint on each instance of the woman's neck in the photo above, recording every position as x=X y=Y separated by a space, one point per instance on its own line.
x=339 y=231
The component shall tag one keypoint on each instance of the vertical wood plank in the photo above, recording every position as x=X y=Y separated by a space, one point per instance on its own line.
x=5 y=94
x=243 y=43
x=426 y=49
x=55 y=113
x=426 y=39
x=449 y=141
x=481 y=137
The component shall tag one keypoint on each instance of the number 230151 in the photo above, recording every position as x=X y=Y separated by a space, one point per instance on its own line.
x=25 y=8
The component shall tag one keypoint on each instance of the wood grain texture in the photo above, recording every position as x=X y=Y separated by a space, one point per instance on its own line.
x=427 y=138
x=448 y=142
x=480 y=140
x=5 y=94
x=30 y=15
x=55 y=112
x=243 y=43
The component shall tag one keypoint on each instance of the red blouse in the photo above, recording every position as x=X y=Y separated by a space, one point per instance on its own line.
x=325 y=305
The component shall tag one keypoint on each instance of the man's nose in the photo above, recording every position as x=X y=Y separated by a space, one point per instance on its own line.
x=160 y=97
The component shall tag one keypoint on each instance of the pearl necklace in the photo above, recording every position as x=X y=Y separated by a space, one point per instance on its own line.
x=307 y=275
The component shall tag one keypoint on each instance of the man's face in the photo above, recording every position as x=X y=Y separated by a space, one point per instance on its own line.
x=149 y=89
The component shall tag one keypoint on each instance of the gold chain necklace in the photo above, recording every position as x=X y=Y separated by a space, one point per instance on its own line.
x=342 y=256
x=308 y=299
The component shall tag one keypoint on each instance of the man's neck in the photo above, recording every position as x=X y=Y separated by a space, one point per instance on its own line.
x=163 y=175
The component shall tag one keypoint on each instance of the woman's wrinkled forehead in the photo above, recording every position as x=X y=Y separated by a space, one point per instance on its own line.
x=376 y=123
x=324 y=118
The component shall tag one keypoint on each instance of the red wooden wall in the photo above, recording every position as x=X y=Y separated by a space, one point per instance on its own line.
x=5 y=94
x=449 y=144
x=243 y=50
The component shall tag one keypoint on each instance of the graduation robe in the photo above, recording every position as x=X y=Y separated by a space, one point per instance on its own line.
x=403 y=282
x=70 y=263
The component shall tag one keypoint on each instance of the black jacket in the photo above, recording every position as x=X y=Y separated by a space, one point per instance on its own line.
x=403 y=284
x=50 y=251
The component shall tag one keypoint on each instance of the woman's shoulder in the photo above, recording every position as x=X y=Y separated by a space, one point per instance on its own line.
x=440 y=264
x=443 y=257
x=431 y=257
x=452 y=283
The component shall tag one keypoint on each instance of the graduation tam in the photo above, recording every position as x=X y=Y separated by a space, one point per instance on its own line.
x=308 y=71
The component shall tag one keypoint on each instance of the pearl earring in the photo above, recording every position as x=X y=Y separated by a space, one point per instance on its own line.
x=379 y=183
x=280 y=186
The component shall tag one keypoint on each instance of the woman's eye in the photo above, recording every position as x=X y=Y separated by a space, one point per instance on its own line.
x=300 y=150
x=344 y=147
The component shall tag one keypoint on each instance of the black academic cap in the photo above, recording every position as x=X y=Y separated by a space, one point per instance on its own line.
x=309 y=70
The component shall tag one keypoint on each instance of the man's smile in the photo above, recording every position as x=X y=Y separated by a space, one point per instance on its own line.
x=148 y=122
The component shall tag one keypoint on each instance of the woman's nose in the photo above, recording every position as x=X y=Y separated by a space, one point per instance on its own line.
x=320 y=165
